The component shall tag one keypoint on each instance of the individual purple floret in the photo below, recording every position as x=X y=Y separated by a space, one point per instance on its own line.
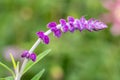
x=62 y=22
x=71 y=23
x=42 y=36
x=52 y=24
x=33 y=57
x=54 y=29
x=25 y=54
x=83 y=24
x=46 y=39
x=57 y=32
x=70 y=19
x=64 y=27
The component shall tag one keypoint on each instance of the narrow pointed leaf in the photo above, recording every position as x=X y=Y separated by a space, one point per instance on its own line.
x=13 y=61
x=39 y=57
x=5 y=66
x=38 y=75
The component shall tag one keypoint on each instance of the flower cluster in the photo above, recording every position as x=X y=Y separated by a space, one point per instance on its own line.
x=27 y=55
x=71 y=25
x=42 y=36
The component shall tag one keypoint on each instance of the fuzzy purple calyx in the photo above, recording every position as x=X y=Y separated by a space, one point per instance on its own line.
x=46 y=39
x=83 y=24
x=33 y=57
x=57 y=33
x=27 y=55
x=51 y=24
x=24 y=54
x=64 y=28
x=70 y=19
x=62 y=22
x=71 y=27
x=43 y=37
x=40 y=34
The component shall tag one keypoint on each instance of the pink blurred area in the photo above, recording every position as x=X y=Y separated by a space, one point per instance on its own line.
x=113 y=15
x=14 y=50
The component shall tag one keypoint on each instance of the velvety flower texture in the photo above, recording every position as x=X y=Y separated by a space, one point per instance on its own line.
x=27 y=55
x=44 y=37
x=33 y=57
x=75 y=24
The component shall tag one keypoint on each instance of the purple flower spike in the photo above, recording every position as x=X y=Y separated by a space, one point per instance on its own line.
x=52 y=24
x=70 y=19
x=71 y=25
x=40 y=34
x=24 y=54
x=46 y=39
x=33 y=57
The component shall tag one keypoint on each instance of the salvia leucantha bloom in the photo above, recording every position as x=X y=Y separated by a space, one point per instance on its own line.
x=64 y=26
x=71 y=25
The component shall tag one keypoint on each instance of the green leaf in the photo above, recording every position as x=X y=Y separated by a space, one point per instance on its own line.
x=5 y=66
x=38 y=75
x=7 y=78
x=39 y=57
x=13 y=61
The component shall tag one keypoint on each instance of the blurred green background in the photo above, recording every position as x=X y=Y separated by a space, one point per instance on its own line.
x=78 y=56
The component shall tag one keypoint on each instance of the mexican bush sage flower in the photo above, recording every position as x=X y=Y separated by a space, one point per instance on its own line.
x=64 y=26
x=71 y=25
